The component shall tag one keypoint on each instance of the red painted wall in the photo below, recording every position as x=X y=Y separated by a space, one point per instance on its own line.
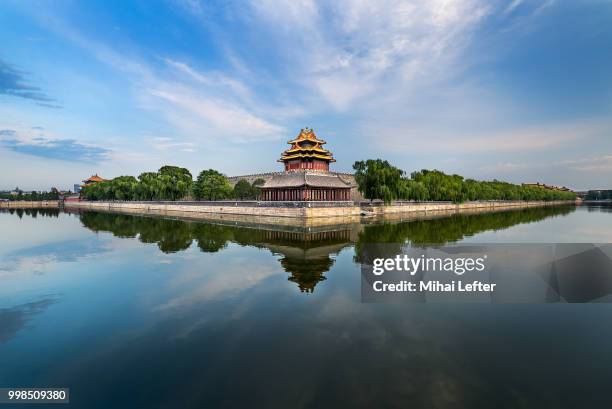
x=316 y=164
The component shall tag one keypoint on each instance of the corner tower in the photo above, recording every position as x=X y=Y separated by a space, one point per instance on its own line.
x=307 y=152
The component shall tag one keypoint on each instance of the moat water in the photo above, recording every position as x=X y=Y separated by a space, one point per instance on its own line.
x=145 y=312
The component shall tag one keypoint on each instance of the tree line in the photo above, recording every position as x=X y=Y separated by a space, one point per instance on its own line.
x=19 y=195
x=172 y=183
x=378 y=179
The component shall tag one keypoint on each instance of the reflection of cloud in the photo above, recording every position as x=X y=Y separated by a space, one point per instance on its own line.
x=37 y=259
x=14 y=83
x=38 y=144
x=13 y=319
x=201 y=286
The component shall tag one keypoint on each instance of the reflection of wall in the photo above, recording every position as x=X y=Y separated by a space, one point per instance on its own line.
x=308 y=254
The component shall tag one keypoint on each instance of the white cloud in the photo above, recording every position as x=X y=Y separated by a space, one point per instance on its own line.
x=523 y=140
x=215 y=117
x=593 y=164
x=170 y=144
x=204 y=104
x=514 y=4
x=352 y=50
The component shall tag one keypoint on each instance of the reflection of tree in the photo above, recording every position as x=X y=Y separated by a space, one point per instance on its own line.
x=119 y=225
x=211 y=237
x=170 y=235
x=384 y=240
x=306 y=255
x=33 y=212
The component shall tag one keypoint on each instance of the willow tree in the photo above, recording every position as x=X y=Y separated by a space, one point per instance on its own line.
x=378 y=179
x=123 y=188
x=148 y=187
x=176 y=182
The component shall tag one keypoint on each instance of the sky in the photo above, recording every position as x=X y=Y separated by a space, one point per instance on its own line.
x=515 y=90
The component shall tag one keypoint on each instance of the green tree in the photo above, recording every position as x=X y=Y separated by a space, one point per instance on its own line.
x=148 y=186
x=378 y=179
x=256 y=187
x=243 y=190
x=212 y=185
x=176 y=182
x=123 y=188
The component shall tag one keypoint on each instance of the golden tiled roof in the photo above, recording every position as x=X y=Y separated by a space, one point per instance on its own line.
x=307 y=145
x=94 y=178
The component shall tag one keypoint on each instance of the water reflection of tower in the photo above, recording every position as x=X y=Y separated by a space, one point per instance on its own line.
x=306 y=255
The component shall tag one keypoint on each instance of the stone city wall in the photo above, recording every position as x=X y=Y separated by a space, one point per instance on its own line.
x=259 y=209
x=20 y=204
x=415 y=207
x=300 y=210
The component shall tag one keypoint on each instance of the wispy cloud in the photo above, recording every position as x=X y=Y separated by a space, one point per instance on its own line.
x=38 y=144
x=170 y=144
x=517 y=139
x=352 y=50
x=592 y=164
x=13 y=82
x=202 y=105
x=514 y=4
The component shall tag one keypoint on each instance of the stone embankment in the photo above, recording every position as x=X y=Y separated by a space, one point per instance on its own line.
x=416 y=207
x=302 y=210
x=22 y=204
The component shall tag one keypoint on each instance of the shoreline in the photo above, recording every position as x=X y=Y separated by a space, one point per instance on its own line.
x=290 y=214
x=303 y=214
x=26 y=204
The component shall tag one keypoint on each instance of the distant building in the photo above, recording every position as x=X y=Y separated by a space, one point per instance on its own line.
x=88 y=182
x=545 y=186
x=581 y=194
x=77 y=188
x=93 y=179
x=72 y=198
x=599 y=194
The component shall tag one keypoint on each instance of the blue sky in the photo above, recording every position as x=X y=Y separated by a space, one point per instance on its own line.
x=516 y=90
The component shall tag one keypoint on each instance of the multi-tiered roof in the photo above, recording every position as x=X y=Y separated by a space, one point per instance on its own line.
x=306 y=146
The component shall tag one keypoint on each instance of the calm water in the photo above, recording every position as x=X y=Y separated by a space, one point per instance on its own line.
x=132 y=312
